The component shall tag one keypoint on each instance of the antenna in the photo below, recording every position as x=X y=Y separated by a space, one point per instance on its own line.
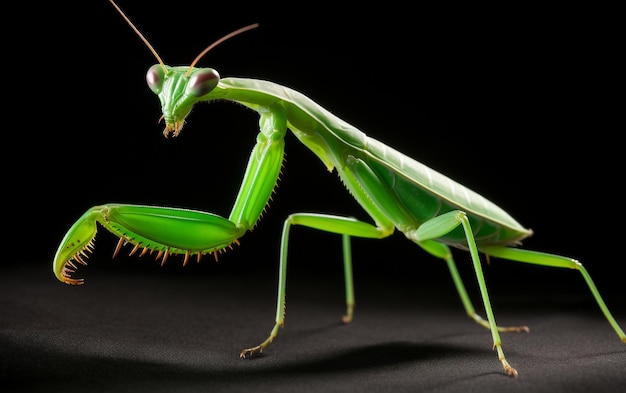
x=154 y=52
x=204 y=52
x=216 y=43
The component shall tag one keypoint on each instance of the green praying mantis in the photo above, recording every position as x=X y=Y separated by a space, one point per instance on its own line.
x=396 y=191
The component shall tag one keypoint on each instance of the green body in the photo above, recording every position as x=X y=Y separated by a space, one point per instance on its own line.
x=396 y=191
x=406 y=192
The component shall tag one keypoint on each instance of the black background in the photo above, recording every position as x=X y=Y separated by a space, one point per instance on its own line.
x=517 y=104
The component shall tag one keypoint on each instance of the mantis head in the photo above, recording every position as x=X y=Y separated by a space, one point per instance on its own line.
x=179 y=88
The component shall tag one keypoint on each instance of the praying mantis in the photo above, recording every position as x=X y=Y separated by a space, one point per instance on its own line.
x=396 y=191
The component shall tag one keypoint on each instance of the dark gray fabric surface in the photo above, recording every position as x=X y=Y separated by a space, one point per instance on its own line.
x=133 y=332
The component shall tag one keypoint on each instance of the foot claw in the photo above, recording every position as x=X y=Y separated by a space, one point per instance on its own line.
x=510 y=371
x=248 y=353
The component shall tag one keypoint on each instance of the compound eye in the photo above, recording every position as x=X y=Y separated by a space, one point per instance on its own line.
x=202 y=82
x=154 y=77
